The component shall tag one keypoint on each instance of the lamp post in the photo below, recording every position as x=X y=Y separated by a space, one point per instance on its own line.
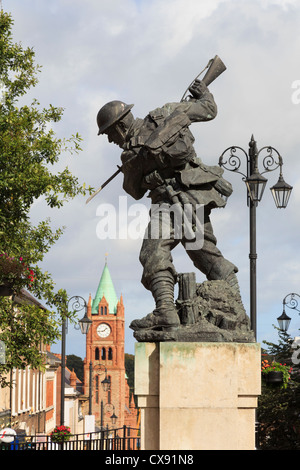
x=113 y=417
x=78 y=304
x=284 y=320
x=256 y=184
x=105 y=382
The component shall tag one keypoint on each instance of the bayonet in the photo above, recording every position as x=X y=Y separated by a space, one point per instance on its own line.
x=104 y=184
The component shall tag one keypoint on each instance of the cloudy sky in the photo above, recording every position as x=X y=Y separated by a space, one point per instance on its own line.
x=146 y=52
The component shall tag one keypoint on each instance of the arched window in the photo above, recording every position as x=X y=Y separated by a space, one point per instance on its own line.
x=97 y=354
x=101 y=310
x=105 y=310
x=110 y=354
x=103 y=353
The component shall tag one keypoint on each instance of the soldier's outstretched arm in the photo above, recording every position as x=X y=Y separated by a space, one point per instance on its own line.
x=201 y=106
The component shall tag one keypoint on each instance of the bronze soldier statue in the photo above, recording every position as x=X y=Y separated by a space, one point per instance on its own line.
x=158 y=155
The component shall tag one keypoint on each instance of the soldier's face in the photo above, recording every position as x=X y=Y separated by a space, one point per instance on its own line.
x=116 y=135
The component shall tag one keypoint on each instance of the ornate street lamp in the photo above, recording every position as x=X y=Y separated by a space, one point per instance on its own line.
x=256 y=184
x=106 y=383
x=78 y=304
x=113 y=417
x=281 y=192
x=284 y=321
x=85 y=324
x=289 y=301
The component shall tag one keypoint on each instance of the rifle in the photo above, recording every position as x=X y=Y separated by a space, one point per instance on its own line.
x=215 y=67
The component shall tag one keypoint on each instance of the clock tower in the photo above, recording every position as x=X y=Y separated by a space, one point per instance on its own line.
x=105 y=354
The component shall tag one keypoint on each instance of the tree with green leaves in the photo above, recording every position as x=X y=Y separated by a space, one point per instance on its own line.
x=29 y=150
x=279 y=408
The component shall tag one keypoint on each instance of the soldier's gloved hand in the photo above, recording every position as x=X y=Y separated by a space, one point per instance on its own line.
x=152 y=180
x=197 y=89
x=127 y=155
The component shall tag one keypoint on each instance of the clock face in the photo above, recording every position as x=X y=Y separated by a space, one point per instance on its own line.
x=103 y=330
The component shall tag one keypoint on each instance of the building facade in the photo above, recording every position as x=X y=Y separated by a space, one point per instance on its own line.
x=33 y=404
x=105 y=358
x=29 y=405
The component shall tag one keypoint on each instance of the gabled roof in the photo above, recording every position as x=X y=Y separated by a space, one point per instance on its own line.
x=24 y=297
x=106 y=289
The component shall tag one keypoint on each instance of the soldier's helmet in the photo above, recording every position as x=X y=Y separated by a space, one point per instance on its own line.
x=110 y=113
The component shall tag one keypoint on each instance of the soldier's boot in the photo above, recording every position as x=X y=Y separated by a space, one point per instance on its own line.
x=165 y=316
x=224 y=269
x=233 y=282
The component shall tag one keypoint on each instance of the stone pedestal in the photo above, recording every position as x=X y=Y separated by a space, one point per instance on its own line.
x=197 y=396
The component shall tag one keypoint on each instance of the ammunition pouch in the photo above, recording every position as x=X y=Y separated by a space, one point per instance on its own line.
x=223 y=187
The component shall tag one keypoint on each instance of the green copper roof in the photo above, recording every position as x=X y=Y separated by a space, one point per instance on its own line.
x=106 y=289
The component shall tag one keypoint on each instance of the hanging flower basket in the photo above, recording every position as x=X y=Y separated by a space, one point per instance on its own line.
x=276 y=373
x=6 y=290
x=61 y=434
x=274 y=377
x=14 y=274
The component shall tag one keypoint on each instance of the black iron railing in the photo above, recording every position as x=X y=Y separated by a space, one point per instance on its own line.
x=124 y=438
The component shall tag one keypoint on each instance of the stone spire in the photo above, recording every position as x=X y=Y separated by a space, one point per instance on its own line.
x=106 y=289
